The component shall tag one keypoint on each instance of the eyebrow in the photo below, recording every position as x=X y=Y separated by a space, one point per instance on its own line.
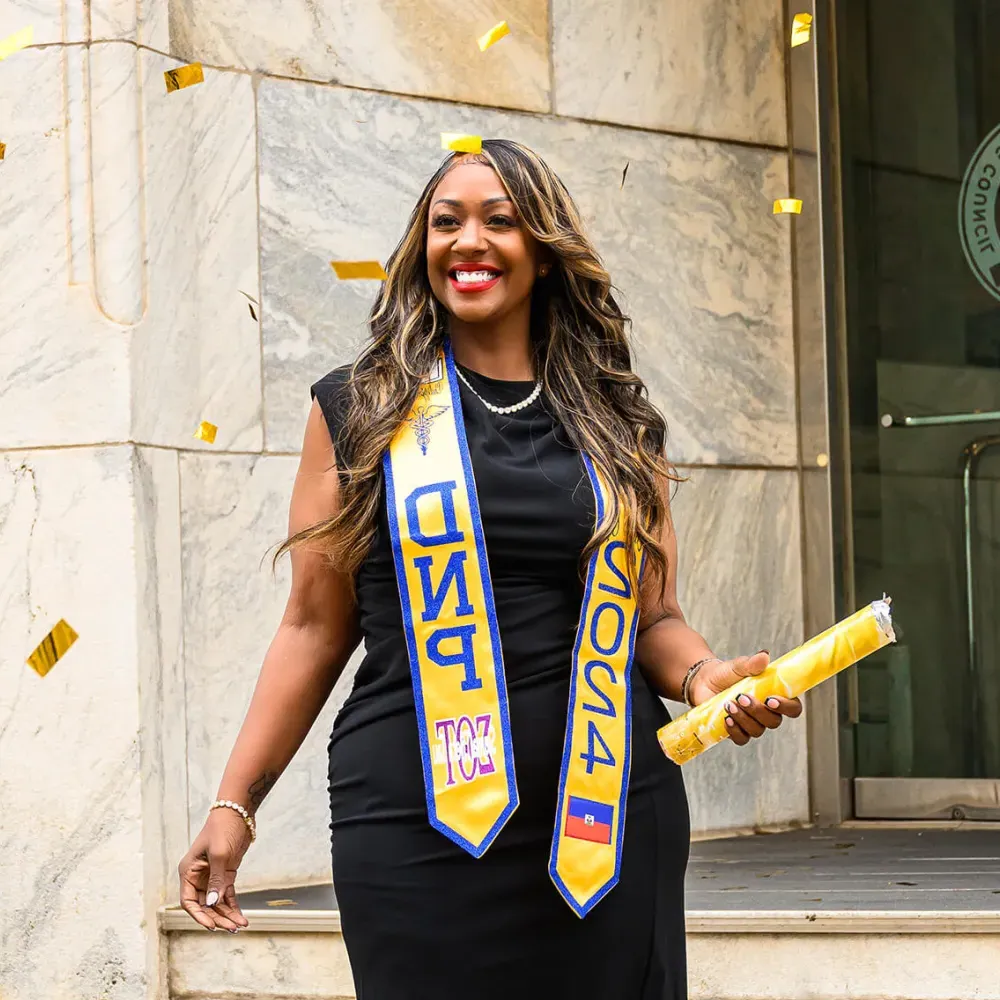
x=458 y=204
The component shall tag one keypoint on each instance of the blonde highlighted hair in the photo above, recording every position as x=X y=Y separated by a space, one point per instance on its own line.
x=580 y=339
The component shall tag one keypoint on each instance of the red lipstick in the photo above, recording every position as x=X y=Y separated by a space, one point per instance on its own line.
x=487 y=277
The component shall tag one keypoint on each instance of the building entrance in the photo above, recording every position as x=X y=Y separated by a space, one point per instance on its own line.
x=920 y=136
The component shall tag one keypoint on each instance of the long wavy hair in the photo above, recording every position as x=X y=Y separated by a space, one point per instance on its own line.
x=580 y=340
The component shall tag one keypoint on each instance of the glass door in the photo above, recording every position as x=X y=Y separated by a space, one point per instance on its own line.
x=919 y=93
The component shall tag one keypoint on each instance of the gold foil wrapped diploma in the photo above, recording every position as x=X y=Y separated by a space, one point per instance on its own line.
x=801 y=29
x=462 y=143
x=787 y=206
x=788 y=676
x=493 y=36
x=52 y=648
x=347 y=269
x=206 y=432
x=14 y=43
x=183 y=76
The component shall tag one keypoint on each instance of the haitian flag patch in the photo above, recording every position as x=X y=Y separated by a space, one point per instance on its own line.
x=589 y=820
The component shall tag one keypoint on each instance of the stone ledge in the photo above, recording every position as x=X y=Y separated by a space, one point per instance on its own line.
x=741 y=922
x=874 y=962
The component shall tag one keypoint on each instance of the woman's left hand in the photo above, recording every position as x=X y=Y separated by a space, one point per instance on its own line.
x=748 y=717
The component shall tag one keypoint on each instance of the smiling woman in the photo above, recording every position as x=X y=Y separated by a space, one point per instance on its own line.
x=483 y=499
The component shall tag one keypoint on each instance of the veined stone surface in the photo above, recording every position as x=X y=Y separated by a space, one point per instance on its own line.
x=406 y=46
x=713 y=68
x=197 y=354
x=70 y=836
x=739 y=584
x=55 y=345
x=74 y=20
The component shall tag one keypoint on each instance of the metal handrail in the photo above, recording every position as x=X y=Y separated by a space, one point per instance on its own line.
x=971 y=453
x=939 y=419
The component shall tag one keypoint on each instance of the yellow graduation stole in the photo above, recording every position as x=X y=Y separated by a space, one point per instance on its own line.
x=456 y=660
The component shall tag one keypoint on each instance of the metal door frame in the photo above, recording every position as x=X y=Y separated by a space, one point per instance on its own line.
x=836 y=794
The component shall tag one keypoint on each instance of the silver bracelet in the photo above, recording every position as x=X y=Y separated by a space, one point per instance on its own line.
x=690 y=676
x=247 y=818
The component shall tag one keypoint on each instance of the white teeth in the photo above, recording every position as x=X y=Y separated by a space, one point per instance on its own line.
x=468 y=277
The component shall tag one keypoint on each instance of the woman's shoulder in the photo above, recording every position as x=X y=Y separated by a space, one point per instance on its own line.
x=333 y=383
x=331 y=392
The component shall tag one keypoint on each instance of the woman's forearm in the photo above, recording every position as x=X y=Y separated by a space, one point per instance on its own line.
x=665 y=651
x=299 y=672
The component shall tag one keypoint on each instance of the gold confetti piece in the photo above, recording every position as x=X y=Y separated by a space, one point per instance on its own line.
x=206 y=432
x=493 y=36
x=801 y=29
x=52 y=648
x=14 y=43
x=183 y=76
x=3 y=150
x=624 y=172
x=787 y=206
x=347 y=269
x=822 y=460
x=461 y=143
x=281 y=902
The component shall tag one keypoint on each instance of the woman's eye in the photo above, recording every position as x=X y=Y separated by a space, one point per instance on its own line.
x=444 y=221
x=501 y=220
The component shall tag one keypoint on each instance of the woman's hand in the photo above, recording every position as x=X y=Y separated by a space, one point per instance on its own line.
x=208 y=871
x=748 y=718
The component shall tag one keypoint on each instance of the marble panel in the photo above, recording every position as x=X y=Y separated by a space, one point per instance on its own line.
x=63 y=366
x=703 y=265
x=197 y=355
x=407 y=46
x=162 y=744
x=70 y=20
x=714 y=68
x=110 y=158
x=70 y=841
x=739 y=583
x=153 y=28
x=254 y=965
x=233 y=509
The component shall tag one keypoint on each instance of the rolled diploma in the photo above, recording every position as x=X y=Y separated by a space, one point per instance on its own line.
x=789 y=676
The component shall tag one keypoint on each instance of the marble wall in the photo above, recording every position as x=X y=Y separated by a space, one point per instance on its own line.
x=137 y=226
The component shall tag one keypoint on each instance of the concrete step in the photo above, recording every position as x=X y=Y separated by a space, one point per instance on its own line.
x=733 y=955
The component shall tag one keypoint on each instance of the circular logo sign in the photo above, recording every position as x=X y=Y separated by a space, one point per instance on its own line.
x=979 y=213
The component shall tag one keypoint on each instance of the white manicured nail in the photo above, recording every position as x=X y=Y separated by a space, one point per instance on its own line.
x=212 y=898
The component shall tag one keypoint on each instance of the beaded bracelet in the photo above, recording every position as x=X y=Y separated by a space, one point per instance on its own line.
x=247 y=818
x=690 y=675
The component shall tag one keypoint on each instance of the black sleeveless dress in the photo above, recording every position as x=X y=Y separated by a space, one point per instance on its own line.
x=422 y=918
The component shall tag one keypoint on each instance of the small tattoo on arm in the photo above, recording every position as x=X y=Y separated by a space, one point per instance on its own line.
x=259 y=789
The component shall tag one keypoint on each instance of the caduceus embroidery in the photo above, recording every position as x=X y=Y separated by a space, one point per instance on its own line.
x=422 y=418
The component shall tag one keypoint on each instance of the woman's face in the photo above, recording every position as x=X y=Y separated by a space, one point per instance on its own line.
x=481 y=261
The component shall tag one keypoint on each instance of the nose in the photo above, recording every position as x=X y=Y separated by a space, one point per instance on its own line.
x=470 y=237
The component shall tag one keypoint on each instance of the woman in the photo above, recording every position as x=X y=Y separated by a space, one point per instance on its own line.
x=494 y=523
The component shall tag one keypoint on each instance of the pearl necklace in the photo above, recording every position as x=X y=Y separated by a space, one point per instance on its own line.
x=513 y=408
